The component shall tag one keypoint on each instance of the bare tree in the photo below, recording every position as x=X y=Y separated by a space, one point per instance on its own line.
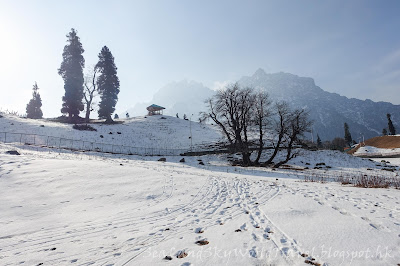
x=90 y=91
x=299 y=123
x=231 y=109
x=245 y=116
x=262 y=113
x=212 y=113
x=281 y=127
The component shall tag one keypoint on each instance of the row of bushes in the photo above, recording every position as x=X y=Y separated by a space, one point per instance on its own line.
x=359 y=180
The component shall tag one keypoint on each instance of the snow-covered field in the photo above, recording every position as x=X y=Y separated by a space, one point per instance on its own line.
x=373 y=151
x=158 y=132
x=62 y=208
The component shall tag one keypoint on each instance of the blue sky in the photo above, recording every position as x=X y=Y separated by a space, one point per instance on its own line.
x=348 y=47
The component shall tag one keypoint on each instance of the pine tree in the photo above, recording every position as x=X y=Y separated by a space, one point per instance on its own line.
x=71 y=70
x=319 y=142
x=127 y=115
x=33 y=108
x=347 y=135
x=384 y=132
x=116 y=116
x=392 y=129
x=107 y=83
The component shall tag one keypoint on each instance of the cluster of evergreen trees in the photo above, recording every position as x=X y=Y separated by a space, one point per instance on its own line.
x=106 y=84
x=104 y=81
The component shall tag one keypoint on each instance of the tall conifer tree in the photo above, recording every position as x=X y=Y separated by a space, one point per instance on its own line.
x=107 y=83
x=392 y=129
x=347 y=135
x=71 y=70
x=33 y=108
x=319 y=142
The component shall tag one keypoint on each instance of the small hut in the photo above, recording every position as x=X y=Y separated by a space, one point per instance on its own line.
x=155 y=109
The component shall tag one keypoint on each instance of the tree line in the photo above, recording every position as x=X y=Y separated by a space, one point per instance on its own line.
x=81 y=90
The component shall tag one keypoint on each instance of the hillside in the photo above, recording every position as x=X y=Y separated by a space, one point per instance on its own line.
x=328 y=110
x=384 y=142
x=156 y=132
x=85 y=209
x=383 y=146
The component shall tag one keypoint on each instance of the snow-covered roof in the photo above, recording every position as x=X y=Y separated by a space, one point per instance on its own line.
x=155 y=107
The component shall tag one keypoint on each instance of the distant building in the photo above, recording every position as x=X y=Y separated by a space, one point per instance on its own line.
x=155 y=109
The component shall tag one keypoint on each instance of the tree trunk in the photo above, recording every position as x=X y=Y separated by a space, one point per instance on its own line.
x=261 y=144
x=278 y=144
x=246 y=158
x=288 y=155
x=109 y=120
x=87 y=116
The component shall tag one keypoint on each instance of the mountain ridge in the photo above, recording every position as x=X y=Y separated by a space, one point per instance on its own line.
x=329 y=110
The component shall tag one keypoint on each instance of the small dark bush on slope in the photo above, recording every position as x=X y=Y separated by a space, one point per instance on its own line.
x=84 y=127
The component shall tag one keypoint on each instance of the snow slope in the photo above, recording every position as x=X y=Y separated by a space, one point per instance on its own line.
x=60 y=207
x=149 y=132
x=373 y=151
x=118 y=211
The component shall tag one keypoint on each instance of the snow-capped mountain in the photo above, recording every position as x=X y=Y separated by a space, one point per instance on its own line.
x=328 y=110
x=184 y=97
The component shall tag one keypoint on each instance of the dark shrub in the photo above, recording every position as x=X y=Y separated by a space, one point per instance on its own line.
x=84 y=127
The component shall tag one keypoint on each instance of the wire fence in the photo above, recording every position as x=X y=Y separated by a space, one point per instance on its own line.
x=88 y=146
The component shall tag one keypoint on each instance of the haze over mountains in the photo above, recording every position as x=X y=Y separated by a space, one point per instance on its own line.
x=328 y=110
x=184 y=97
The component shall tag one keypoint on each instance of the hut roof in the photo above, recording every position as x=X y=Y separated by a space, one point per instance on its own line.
x=155 y=107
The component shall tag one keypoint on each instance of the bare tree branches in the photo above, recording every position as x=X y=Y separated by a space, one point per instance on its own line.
x=299 y=123
x=280 y=127
x=245 y=117
x=90 y=91
x=231 y=109
x=262 y=119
